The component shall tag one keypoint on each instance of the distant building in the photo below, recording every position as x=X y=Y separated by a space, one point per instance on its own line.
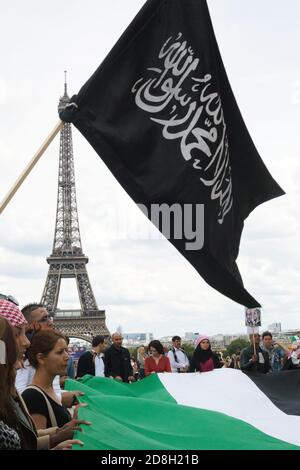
x=189 y=336
x=294 y=332
x=137 y=338
x=166 y=340
x=229 y=338
x=275 y=328
x=217 y=338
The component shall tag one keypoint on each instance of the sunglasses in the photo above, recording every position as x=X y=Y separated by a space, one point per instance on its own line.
x=10 y=298
x=45 y=319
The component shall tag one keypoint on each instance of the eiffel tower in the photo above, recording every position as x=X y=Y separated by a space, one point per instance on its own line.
x=67 y=259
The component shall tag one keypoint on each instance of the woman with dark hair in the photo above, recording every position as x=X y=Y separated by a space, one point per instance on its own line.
x=17 y=430
x=157 y=361
x=48 y=354
x=204 y=359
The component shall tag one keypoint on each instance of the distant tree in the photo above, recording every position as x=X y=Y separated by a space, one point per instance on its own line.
x=236 y=346
x=132 y=351
x=188 y=349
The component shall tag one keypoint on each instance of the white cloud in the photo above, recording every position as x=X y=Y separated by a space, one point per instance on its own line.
x=3 y=91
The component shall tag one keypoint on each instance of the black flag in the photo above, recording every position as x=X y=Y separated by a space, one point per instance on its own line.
x=161 y=114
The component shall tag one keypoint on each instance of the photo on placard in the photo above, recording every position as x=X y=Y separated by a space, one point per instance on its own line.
x=252 y=317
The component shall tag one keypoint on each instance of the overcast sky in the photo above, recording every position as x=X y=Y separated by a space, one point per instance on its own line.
x=144 y=284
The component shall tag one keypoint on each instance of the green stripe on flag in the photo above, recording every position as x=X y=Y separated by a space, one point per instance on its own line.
x=145 y=416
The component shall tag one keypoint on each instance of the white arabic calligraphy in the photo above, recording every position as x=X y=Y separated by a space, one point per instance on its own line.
x=198 y=121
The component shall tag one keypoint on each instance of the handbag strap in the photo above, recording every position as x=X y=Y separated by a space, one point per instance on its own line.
x=50 y=409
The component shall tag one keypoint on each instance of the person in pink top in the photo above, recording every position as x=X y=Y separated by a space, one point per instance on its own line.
x=157 y=361
x=204 y=359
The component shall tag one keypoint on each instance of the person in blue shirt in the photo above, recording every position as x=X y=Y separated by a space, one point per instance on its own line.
x=277 y=353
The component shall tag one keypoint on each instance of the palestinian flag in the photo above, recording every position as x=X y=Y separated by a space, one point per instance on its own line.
x=222 y=409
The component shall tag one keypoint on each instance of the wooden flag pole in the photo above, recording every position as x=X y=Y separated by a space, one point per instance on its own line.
x=30 y=165
x=254 y=348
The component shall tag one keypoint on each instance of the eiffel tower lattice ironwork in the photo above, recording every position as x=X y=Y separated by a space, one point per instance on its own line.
x=67 y=259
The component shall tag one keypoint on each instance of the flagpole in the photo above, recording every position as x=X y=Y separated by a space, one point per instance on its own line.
x=254 y=348
x=31 y=165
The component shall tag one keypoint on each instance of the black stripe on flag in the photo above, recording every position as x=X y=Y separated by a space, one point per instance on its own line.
x=282 y=388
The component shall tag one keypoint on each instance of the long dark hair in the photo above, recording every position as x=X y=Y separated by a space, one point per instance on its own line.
x=8 y=374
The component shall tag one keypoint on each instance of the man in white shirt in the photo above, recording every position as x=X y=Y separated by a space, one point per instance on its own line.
x=178 y=359
x=99 y=360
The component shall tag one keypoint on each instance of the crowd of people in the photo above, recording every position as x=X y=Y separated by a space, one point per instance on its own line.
x=35 y=410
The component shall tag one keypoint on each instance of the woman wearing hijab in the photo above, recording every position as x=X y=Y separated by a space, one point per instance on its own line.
x=204 y=359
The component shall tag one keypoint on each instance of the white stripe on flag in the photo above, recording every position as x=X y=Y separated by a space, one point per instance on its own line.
x=231 y=392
